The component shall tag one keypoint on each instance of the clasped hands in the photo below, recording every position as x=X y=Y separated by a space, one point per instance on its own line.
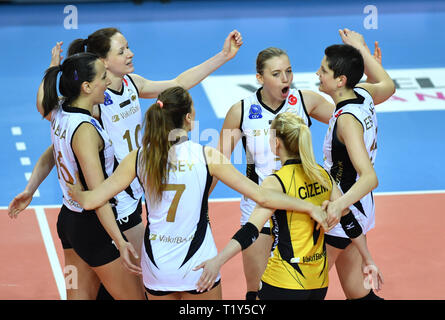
x=327 y=215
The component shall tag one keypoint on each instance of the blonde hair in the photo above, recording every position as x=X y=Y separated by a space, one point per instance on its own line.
x=297 y=140
x=265 y=55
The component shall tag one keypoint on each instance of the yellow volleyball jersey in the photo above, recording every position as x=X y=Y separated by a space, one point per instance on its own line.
x=298 y=260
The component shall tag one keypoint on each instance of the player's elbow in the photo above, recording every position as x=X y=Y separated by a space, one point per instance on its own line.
x=264 y=199
x=374 y=181
x=87 y=205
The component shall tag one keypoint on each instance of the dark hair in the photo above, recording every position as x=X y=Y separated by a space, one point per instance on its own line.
x=160 y=121
x=265 y=55
x=346 y=60
x=75 y=70
x=99 y=42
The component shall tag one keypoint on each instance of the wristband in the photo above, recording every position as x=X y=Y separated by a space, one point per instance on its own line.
x=246 y=235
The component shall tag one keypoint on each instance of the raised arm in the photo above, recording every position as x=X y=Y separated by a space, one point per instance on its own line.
x=41 y=170
x=191 y=77
x=56 y=59
x=383 y=86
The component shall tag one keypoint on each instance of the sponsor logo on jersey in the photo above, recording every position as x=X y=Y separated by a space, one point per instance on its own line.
x=292 y=100
x=255 y=112
x=107 y=100
x=115 y=118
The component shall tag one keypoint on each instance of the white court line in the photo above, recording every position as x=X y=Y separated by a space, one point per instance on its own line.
x=54 y=260
x=51 y=251
x=402 y=193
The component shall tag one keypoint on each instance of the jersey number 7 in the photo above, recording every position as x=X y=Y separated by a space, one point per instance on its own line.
x=179 y=188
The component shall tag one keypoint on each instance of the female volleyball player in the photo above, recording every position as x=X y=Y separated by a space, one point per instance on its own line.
x=91 y=240
x=249 y=120
x=176 y=175
x=350 y=147
x=122 y=98
x=298 y=268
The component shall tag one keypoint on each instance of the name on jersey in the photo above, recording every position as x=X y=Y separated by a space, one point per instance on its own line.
x=311 y=190
x=57 y=130
x=181 y=166
x=125 y=114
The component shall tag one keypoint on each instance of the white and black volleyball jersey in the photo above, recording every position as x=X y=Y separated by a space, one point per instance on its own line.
x=64 y=123
x=256 y=119
x=178 y=235
x=336 y=158
x=121 y=117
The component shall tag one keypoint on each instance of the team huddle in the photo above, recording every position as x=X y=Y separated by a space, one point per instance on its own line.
x=298 y=218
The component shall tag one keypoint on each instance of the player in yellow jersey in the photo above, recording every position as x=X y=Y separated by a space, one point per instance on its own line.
x=298 y=267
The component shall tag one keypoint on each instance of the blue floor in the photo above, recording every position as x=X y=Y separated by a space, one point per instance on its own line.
x=170 y=38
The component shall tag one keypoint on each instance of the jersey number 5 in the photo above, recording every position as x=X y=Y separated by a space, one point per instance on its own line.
x=179 y=188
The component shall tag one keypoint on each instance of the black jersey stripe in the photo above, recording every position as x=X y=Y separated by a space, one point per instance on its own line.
x=309 y=122
x=201 y=229
x=147 y=240
x=285 y=242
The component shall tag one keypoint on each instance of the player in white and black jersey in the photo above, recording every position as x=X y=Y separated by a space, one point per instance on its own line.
x=82 y=151
x=177 y=175
x=249 y=120
x=350 y=147
x=120 y=114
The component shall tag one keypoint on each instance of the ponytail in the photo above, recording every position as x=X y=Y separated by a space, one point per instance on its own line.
x=75 y=70
x=155 y=154
x=160 y=122
x=310 y=166
x=77 y=46
x=50 y=98
x=99 y=43
x=297 y=140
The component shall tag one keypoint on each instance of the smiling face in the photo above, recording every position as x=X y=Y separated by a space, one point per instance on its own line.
x=119 y=60
x=328 y=84
x=276 y=77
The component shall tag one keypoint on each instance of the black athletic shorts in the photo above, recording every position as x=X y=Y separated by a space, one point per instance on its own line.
x=83 y=232
x=268 y=292
x=132 y=220
x=337 y=242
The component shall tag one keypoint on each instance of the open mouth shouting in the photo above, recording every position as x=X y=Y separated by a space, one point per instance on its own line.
x=285 y=92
